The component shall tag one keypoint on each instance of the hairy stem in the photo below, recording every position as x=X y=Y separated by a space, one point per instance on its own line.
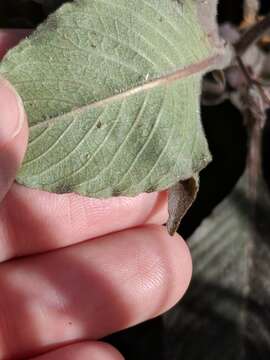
x=252 y=35
x=251 y=9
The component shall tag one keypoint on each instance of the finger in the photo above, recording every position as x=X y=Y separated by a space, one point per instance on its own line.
x=12 y=119
x=84 y=351
x=10 y=38
x=90 y=290
x=13 y=135
x=44 y=221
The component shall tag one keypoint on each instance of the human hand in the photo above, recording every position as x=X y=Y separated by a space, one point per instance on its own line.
x=74 y=269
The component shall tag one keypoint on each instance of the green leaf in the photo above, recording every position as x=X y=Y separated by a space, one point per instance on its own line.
x=111 y=89
x=226 y=312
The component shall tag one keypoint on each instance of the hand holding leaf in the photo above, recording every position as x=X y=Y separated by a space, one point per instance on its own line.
x=112 y=94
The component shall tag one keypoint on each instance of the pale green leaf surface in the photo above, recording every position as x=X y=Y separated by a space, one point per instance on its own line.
x=226 y=311
x=111 y=89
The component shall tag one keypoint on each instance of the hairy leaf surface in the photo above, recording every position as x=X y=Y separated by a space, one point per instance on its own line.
x=112 y=89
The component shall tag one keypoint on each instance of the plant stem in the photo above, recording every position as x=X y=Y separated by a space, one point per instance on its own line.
x=251 y=9
x=252 y=35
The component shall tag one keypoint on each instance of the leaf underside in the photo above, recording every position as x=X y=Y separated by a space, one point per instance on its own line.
x=181 y=197
x=227 y=309
x=111 y=89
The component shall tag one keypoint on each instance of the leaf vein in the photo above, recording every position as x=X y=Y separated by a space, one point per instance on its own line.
x=78 y=171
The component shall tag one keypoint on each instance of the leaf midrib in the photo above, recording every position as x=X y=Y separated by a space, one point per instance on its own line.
x=167 y=79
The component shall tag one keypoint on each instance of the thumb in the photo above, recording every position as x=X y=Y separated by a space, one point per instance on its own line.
x=13 y=135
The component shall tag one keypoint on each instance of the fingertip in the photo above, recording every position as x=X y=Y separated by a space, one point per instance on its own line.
x=180 y=268
x=162 y=265
x=172 y=272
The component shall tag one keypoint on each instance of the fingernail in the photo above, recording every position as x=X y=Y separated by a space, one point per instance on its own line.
x=11 y=112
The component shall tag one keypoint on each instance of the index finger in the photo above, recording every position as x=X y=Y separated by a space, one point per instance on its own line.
x=33 y=221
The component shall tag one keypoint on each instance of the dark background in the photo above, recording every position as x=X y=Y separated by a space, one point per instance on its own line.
x=227 y=140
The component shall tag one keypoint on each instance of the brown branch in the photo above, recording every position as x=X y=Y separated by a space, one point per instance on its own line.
x=255 y=118
x=244 y=70
x=252 y=35
x=251 y=81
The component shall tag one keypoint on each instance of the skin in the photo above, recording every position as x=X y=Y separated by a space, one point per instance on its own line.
x=74 y=269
